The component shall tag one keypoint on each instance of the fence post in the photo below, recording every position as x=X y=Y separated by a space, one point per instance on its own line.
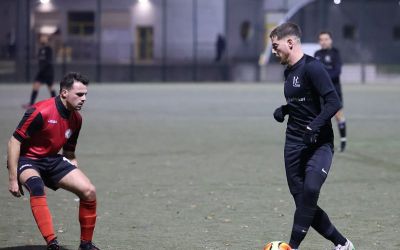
x=98 y=57
x=164 y=38
x=28 y=41
x=194 y=22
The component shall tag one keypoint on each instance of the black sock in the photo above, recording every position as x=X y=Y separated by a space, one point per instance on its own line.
x=324 y=227
x=303 y=218
x=33 y=97
x=306 y=207
x=53 y=93
x=342 y=129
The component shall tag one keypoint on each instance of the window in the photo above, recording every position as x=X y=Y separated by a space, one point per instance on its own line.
x=396 y=33
x=349 y=32
x=246 y=30
x=144 y=44
x=81 y=23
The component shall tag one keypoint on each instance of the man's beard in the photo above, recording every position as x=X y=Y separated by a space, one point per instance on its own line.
x=284 y=61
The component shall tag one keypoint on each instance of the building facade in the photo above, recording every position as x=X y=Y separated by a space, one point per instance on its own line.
x=176 y=40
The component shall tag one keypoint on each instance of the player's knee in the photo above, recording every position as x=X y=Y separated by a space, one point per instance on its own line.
x=35 y=186
x=310 y=189
x=298 y=199
x=89 y=193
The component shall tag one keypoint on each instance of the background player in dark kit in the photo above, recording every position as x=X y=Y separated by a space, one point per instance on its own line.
x=46 y=71
x=33 y=159
x=311 y=103
x=330 y=57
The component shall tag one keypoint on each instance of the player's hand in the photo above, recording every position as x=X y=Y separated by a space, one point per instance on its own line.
x=310 y=136
x=280 y=113
x=14 y=188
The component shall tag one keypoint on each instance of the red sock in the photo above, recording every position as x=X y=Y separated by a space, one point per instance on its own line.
x=87 y=218
x=42 y=215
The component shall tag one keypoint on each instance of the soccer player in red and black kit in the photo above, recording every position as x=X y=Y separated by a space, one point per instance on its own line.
x=33 y=160
x=330 y=57
x=311 y=103
x=45 y=73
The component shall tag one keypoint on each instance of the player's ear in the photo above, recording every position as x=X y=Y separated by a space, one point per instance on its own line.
x=63 y=93
x=290 y=43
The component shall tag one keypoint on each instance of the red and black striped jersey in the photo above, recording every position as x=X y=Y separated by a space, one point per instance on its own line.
x=46 y=128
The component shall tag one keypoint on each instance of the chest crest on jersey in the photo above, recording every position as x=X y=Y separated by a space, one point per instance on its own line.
x=328 y=59
x=296 y=82
x=68 y=133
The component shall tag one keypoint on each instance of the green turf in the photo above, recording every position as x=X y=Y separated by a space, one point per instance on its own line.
x=201 y=167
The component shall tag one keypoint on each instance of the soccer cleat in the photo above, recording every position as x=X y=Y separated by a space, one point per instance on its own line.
x=342 y=144
x=87 y=245
x=53 y=245
x=347 y=246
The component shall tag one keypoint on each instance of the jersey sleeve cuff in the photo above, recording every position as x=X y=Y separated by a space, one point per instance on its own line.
x=18 y=137
x=69 y=147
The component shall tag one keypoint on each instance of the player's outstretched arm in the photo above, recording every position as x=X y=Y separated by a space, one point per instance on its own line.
x=14 y=148
x=70 y=155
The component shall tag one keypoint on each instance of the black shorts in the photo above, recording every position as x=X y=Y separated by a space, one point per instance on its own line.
x=45 y=76
x=338 y=88
x=300 y=159
x=52 y=169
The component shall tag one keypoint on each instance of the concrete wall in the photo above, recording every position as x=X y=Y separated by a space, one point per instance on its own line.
x=183 y=24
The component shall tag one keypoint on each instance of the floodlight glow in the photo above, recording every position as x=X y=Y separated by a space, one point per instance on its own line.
x=48 y=29
x=144 y=5
x=44 y=1
x=337 y=1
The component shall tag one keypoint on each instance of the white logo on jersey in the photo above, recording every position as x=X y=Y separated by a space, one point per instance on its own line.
x=68 y=133
x=52 y=121
x=296 y=83
x=323 y=170
x=328 y=59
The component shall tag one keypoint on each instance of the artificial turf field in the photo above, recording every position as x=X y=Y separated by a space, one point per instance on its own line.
x=186 y=166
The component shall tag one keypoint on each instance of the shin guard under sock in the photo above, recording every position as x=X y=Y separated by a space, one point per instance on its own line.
x=303 y=218
x=87 y=219
x=42 y=215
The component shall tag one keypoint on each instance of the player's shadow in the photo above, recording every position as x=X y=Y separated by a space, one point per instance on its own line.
x=36 y=247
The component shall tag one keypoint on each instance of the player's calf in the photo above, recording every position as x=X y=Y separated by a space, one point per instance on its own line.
x=87 y=219
x=87 y=212
x=39 y=207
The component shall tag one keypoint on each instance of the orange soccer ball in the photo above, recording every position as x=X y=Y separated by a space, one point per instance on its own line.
x=277 y=245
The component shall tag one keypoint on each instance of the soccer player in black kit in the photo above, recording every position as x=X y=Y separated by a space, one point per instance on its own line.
x=45 y=73
x=311 y=103
x=330 y=57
